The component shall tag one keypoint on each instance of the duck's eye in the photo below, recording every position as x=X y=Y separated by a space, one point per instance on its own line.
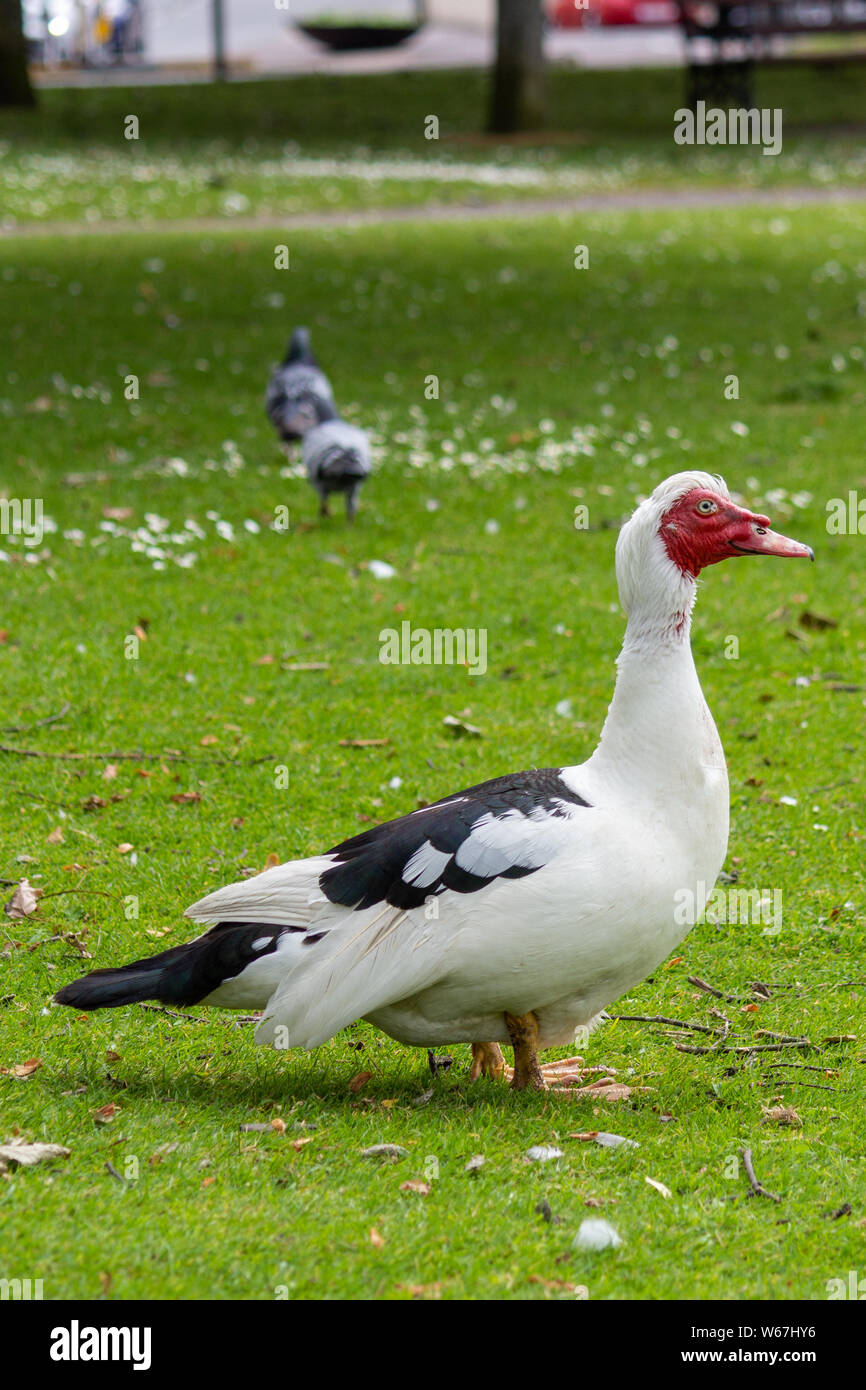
x=706 y=506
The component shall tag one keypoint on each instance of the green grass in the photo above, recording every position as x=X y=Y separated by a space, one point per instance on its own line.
x=341 y=143
x=557 y=387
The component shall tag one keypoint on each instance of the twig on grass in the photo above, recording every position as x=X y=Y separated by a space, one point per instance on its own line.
x=39 y=724
x=660 y=1018
x=757 y=1188
x=711 y=989
x=750 y=1047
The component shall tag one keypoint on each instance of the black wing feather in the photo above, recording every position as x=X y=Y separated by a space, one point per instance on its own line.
x=369 y=867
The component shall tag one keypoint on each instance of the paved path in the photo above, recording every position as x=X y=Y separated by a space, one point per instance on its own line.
x=260 y=43
x=656 y=200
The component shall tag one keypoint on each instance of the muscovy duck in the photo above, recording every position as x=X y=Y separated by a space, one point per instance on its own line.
x=299 y=394
x=336 y=456
x=517 y=910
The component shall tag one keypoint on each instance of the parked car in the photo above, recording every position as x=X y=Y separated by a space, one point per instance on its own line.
x=570 y=14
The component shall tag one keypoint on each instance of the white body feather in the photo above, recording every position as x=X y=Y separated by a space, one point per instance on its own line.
x=622 y=879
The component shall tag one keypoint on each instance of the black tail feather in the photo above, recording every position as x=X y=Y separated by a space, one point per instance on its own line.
x=182 y=975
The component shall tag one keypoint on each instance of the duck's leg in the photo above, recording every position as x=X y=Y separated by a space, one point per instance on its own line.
x=523 y=1032
x=487 y=1060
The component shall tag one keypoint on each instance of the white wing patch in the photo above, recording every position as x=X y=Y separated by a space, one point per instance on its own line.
x=425 y=866
x=513 y=840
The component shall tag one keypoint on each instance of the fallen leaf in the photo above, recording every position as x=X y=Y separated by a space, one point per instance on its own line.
x=106 y=1113
x=608 y=1090
x=359 y=1080
x=390 y=1151
x=110 y=772
x=299 y=1143
x=208 y=1182
x=476 y=1161
x=185 y=798
x=124 y=848
x=421 y=1290
x=23 y=902
x=551 y=1283
x=364 y=742
x=415 y=1185
x=208 y=739
x=117 y=513
x=55 y=837
x=23 y=1069
x=19 y=1151
x=782 y=1115
x=266 y=660
x=279 y=1125
x=376 y=1240
x=607 y=1141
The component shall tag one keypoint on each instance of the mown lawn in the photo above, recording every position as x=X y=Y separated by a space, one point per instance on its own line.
x=279 y=148
x=558 y=388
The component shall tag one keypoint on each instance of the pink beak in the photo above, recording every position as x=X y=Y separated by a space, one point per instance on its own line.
x=751 y=535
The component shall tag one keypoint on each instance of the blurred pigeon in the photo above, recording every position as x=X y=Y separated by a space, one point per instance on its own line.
x=299 y=394
x=337 y=459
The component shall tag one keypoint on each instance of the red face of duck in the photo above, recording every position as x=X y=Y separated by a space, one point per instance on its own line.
x=703 y=528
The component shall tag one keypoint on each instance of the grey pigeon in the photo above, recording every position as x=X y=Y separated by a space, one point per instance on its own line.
x=299 y=394
x=337 y=459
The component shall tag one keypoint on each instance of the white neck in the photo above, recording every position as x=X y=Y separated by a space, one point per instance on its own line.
x=659 y=737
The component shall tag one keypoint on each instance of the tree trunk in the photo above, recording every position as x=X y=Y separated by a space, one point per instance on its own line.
x=15 y=88
x=519 y=96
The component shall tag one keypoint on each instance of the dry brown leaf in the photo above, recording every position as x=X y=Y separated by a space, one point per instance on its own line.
x=110 y=772
x=23 y=903
x=782 y=1115
x=364 y=742
x=55 y=837
x=604 y=1090
x=360 y=1080
x=420 y=1290
x=208 y=739
x=266 y=660
x=299 y=1143
x=117 y=513
x=124 y=848
x=279 y=1125
x=106 y=1113
x=207 y=1182
x=23 y=1069
x=376 y=1240
x=185 y=798
x=415 y=1185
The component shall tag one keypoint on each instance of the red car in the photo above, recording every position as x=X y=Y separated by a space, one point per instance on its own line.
x=587 y=14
